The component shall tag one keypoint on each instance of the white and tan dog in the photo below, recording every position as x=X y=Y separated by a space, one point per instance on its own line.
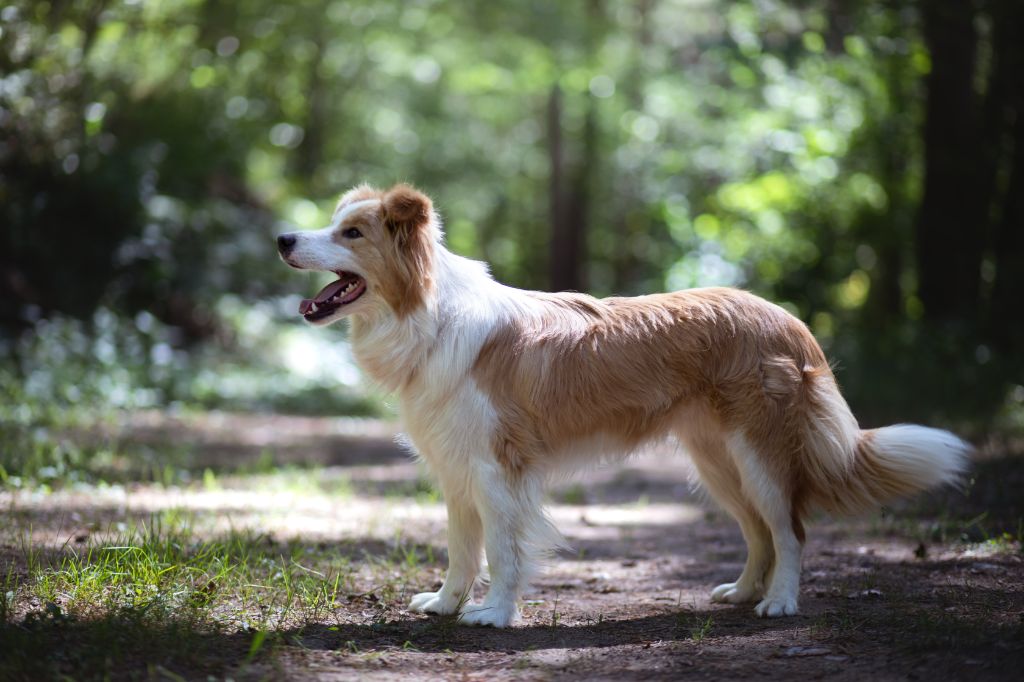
x=499 y=387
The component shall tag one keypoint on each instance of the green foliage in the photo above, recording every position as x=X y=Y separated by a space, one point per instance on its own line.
x=71 y=376
x=153 y=149
x=719 y=172
x=158 y=593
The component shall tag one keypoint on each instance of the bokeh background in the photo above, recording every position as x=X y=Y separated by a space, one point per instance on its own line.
x=860 y=162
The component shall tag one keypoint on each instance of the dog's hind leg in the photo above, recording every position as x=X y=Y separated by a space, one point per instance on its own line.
x=721 y=478
x=774 y=503
x=760 y=555
x=465 y=537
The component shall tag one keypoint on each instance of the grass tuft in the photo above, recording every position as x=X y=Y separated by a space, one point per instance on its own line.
x=157 y=594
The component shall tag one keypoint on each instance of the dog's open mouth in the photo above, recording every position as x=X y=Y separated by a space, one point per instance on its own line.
x=347 y=288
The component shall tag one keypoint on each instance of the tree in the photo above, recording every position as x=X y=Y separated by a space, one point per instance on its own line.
x=970 y=209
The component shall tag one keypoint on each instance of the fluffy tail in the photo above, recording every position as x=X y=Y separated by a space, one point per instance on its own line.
x=896 y=461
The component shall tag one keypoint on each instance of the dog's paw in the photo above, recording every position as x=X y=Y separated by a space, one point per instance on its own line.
x=500 y=616
x=733 y=593
x=773 y=607
x=433 y=602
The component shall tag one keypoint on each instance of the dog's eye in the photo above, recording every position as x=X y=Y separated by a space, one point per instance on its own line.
x=352 y=233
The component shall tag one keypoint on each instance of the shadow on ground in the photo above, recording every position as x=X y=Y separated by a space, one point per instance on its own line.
x=932 y=590
x=890 y=638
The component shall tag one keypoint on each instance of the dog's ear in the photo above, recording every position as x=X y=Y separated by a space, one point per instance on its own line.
x=406 y=210
x=407 y=215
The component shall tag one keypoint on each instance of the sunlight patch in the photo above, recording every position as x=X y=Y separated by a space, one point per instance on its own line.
x=314 y=355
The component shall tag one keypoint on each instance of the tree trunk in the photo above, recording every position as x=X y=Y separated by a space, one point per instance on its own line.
x=563 y=258
x=627 y=268
x=570 y=204
x=1004 y=110
x=578 y=208
x=1007 y=310
x=953 y=221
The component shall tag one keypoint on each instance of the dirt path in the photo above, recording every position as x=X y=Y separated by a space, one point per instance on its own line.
x=925 y=594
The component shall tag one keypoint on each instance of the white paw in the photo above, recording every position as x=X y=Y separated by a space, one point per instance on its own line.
x=433 y=602
x=773 y=607
x=733 y=593
x=500 y=616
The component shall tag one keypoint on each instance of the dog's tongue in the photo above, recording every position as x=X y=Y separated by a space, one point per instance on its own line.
x=330 y=290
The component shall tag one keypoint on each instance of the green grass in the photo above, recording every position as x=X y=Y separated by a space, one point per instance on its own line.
x=689 y=621
x=701 y=628
x=159 y=593
x=574 y=494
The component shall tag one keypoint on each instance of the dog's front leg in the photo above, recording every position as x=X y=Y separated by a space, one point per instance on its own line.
x=464 y=540
x=512 y=519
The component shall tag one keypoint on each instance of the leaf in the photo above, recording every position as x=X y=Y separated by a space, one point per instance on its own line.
x=257 y=644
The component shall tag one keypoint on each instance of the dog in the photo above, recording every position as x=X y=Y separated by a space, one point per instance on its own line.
x=500 y=387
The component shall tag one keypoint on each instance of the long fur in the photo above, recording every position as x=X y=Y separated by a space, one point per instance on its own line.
x=500 y=387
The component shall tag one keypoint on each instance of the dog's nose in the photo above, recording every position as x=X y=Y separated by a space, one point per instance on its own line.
x=285 y=242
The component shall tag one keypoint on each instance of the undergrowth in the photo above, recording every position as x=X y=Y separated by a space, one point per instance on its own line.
x=158 y=593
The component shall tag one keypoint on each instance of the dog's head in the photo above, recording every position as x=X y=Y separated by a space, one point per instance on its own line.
x=380 y=244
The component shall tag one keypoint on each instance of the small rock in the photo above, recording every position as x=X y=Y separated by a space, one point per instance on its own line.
x=800 y=651
x=815 y=575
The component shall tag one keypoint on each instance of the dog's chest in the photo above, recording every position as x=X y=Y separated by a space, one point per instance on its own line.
x=448 y=419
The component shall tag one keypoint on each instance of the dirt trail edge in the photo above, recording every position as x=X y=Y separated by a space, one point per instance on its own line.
x=933 y=590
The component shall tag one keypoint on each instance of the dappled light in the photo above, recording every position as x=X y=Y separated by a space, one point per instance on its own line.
x=322 y=559
x=196 y=484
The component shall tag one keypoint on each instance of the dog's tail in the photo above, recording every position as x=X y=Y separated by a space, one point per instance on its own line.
x=897 y=461
x=852 y=470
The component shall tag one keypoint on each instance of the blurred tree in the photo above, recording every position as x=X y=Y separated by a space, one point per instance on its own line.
x=969 y=225
x=971 y=147
x=857 y=160
x=116 y=190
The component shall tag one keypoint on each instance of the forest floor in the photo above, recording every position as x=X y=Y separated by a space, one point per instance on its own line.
x=293 y=549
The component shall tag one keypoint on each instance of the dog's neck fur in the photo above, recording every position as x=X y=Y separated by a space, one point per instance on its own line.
x=462 y=308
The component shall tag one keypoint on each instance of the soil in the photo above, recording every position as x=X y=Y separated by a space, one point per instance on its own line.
x=932 y=590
